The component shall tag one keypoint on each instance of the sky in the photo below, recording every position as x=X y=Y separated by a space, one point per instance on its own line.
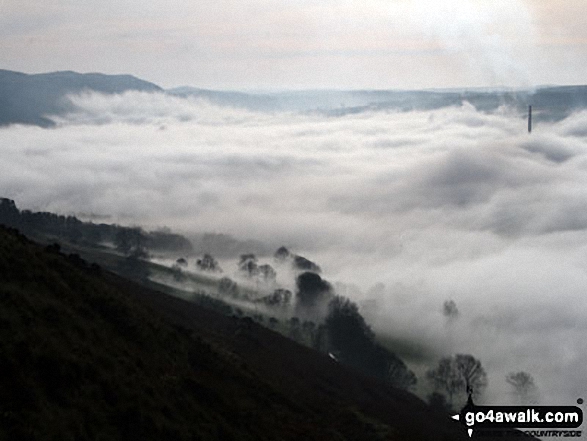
x=275 y=45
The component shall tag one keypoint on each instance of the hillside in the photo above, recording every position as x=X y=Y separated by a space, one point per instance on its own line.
x=550 y=103
x=32 y=99
x=89 y=355
x=36 y=98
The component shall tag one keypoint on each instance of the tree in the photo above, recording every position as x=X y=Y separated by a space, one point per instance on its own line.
x=177 y=273
x=280 y=297
x=347 y=329
x=472 y=372
x=312 y=291
x=445 y=377
x=131 y=242
x=248 y=265
x=398 y=373
x=450 y=310
x=267 y=274
x=458 y=375
x=228 y=287
x=525 y=390
x=301 y=263
x=282 y=254
x=351 y=338
x=208 y=263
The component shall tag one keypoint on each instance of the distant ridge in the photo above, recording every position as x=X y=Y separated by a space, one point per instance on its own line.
x=36 y=98
x=552 y=103
x=33 y=98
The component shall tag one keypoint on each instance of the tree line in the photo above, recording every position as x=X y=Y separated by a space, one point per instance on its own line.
x=128 y=240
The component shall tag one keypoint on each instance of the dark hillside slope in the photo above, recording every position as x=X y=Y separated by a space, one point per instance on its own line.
x=32 y=99
x=87 y=355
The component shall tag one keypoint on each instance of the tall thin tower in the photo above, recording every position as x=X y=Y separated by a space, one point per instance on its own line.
x=529 y=119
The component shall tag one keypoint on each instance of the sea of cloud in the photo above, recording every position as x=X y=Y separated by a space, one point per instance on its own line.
x=444 y=204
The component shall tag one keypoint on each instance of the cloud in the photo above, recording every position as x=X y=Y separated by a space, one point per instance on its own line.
x=496 y=40
x=451 y=203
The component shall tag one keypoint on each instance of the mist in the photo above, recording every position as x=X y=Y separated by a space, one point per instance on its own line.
x=445 y=204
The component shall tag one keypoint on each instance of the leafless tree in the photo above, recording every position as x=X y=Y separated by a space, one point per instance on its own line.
x=458 y=374
x=525 y=389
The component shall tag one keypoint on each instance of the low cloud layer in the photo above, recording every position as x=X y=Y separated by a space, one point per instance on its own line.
x=451 y=203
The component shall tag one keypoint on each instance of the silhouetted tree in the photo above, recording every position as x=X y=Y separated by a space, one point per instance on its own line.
x=398 y=373
x=446 y=377
x=525 y=390
x=352 y=339
x=228 y=287
x=177 y=273
x=301 y=263
x=248 y=265
x=131 y=242
x=208 y=263
x=347 y=328
x=455 y=375
x=472 y=372
x=312 y=290
x=282 y=254
x=279 y=297
x=267 y=274
x=450 y=310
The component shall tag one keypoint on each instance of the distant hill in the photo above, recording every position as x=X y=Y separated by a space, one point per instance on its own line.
x=550 y=103
x=32 y=99
x=51 y=227
x=88 y=355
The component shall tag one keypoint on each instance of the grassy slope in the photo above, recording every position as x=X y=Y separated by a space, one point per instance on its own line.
x=86 y=354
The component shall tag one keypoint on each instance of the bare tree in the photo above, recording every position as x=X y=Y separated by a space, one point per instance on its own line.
x=445 y=377
x=525 y=389
x=472 y=372
x=457 y=375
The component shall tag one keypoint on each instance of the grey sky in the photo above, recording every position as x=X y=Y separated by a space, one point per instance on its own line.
x=269 y=44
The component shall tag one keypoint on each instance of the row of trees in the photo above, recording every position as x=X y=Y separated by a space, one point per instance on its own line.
x=323 y=320
x=462 y=374
x=72 y=229
x=344 y=333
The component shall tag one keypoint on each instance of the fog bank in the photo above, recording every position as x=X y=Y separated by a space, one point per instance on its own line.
x=451 y=203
